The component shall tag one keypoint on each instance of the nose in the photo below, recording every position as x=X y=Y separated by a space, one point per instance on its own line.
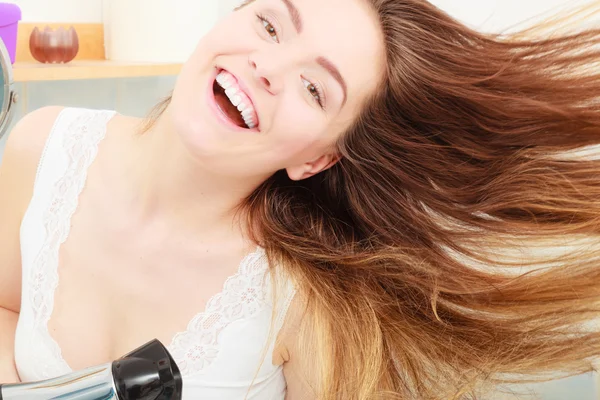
x=269 y=70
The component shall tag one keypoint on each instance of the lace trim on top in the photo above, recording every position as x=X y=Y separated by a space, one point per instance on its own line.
x=80 y=141
x=243 y=296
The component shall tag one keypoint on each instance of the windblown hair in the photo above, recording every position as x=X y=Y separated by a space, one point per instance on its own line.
x=455 y=246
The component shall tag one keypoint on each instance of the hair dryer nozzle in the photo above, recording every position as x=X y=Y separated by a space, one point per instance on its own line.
x=147 y=373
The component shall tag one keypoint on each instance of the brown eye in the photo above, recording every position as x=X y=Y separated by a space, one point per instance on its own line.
x=270 y=29
x=268 y=26
x=314 y=91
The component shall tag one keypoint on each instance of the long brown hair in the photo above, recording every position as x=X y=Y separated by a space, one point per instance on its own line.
x=456 y=245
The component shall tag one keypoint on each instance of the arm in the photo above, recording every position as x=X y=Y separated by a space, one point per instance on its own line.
x=299 y=386
x=299 y=368
x=17 y=174
x=8 y=324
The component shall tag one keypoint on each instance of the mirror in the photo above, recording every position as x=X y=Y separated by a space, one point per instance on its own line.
x=7 y=95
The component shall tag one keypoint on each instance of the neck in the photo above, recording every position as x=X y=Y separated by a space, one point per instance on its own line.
x=167 y=181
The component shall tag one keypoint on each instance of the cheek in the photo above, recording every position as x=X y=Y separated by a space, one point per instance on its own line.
x=298 y=138
x=299 y=131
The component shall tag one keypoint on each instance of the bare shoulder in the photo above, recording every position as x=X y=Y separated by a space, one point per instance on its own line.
x=27 y=139
x=23 y=150
x=21 y=156
x=18 y=169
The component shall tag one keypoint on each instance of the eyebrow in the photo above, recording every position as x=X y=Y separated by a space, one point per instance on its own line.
x=295 y=14
x=332 y=69
x=322 y=61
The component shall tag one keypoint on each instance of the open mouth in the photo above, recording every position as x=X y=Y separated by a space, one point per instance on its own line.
x=234 y=102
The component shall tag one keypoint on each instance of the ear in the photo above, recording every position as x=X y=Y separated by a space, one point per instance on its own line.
x=312 y=168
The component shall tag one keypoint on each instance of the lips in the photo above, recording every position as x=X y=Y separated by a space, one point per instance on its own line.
x=233 y=101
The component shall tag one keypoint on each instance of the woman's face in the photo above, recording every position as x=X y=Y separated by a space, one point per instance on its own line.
x=275 y=84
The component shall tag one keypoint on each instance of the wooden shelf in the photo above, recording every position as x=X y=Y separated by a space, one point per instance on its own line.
x=33 y=71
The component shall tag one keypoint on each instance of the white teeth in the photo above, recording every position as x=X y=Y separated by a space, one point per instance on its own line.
x=249 y=120
x=223 y=81
x=231 y=91
x=236 y=100
x=250 y=124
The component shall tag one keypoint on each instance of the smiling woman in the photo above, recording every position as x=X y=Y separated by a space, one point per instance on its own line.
x=358 y=207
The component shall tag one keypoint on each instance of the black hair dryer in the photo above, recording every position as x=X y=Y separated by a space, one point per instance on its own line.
x=147 y=373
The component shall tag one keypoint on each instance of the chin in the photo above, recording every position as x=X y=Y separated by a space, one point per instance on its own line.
x=197 y=137
x=186 y=114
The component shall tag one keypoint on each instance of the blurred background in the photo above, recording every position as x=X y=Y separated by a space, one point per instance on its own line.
x=130 y=52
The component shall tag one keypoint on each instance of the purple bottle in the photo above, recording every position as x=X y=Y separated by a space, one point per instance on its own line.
x=10 y=15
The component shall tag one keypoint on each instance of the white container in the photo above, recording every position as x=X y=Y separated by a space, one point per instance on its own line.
x=156 y=30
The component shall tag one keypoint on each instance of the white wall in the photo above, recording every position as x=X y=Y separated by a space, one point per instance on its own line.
x=500 y=15
x=226 y=6
x=82 y=11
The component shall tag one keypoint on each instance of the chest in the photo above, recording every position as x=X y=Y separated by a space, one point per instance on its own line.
x=119 y=287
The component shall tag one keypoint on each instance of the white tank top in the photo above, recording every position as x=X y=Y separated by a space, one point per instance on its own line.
x=221 y=354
